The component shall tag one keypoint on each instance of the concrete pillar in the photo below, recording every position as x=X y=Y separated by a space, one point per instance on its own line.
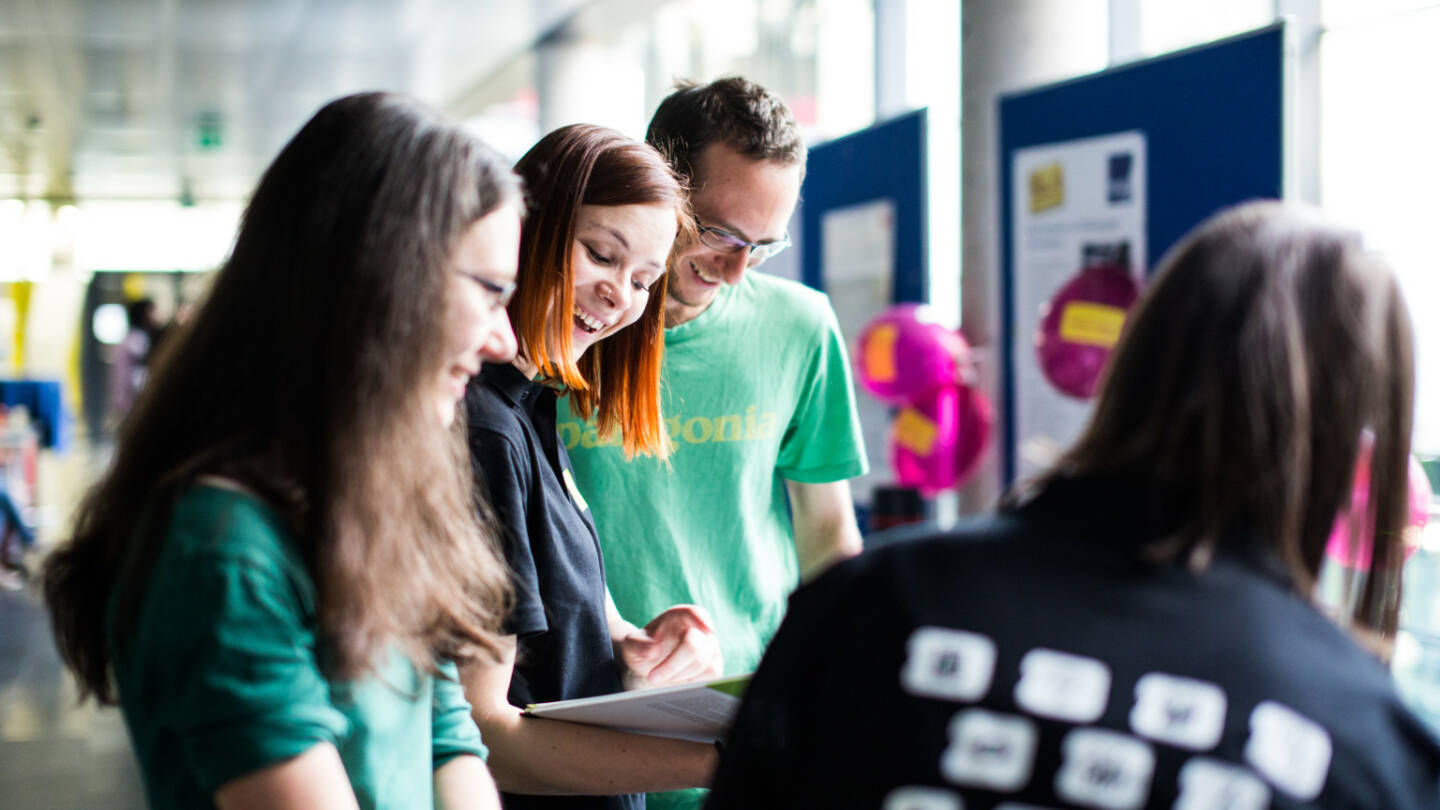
x=1006 y=45
x=1302 y=113
x=1124 y=35
x=891 y=97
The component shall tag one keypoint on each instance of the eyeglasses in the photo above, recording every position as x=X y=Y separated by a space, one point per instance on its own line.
x=500 y=293
x=723 y=240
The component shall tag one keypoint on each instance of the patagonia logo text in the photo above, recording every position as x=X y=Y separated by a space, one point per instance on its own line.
x=735 y=427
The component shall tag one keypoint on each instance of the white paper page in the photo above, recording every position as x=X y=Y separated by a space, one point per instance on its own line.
x=701 y=712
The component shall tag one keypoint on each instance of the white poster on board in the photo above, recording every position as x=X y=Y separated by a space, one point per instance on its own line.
x=858 y=266
x=1068 y=199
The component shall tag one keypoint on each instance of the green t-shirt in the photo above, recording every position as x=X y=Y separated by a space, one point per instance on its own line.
x=220 y=675
x=757 y=391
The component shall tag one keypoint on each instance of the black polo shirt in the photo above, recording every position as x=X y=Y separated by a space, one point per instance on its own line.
x=1029 y=661
x=563 y=641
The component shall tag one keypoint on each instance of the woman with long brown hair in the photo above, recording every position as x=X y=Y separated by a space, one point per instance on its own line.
x=1138 y=628
x=277 y=573
x=588 y=313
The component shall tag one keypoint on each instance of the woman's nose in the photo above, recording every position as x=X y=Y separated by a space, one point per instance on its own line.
x=499 y=345
x=616 y=291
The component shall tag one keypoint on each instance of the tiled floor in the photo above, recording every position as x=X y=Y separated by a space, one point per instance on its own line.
x=54 y=754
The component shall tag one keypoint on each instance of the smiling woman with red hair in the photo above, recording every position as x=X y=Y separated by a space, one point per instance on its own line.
x=588 y=313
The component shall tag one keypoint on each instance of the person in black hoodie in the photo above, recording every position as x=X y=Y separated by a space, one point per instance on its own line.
x=1137 y=628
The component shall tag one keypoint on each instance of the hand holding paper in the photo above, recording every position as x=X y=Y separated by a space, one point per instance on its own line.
x=677 y=646
x=700 y=712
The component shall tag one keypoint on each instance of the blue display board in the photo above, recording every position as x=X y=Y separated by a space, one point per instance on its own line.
x=882 y=162
x=1213 y=120
x=864 y=198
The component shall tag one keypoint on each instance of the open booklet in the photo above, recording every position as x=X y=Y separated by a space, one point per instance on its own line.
x=693 y=711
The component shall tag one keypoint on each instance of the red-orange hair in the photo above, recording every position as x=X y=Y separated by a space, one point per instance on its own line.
x=618 y=380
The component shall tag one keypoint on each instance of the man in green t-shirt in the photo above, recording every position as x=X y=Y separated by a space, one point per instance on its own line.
x=757 y=398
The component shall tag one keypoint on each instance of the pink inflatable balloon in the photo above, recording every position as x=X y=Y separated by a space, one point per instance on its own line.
x=1338 y=548
x=1080 y=325
x=906 y=351
x=937 y=441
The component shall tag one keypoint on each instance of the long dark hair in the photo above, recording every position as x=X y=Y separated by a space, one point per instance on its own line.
x=300 y=378
x=1268 y=343
x=618 y=379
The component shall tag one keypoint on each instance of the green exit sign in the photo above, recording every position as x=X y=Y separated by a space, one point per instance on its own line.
x=208 y=130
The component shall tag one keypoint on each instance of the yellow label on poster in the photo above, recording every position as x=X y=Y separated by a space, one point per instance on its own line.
x=1091 y=324
x=1047 y=188
x=575 y=492
x=133 y=286
x=915 y=432
x=880 y=353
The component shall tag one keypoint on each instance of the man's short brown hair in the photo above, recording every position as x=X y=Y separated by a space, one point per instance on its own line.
x=734 y=111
